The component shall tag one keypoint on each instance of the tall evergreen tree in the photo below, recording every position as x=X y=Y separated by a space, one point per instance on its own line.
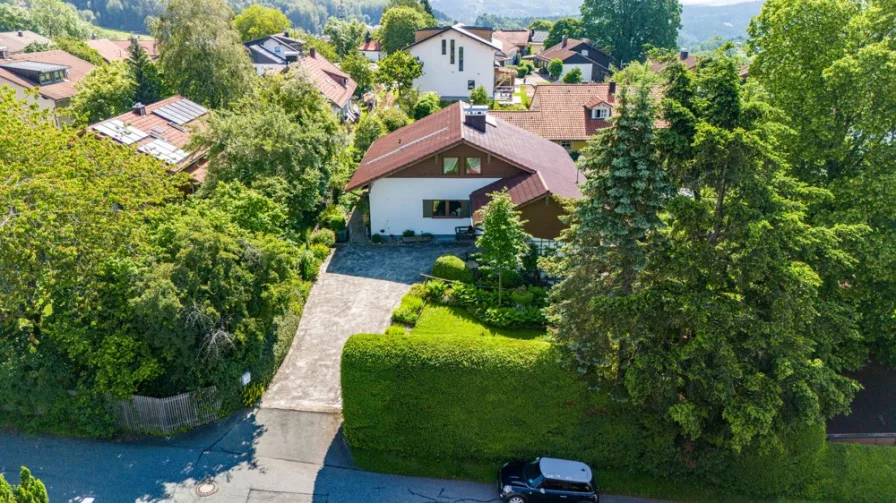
x=147 y=82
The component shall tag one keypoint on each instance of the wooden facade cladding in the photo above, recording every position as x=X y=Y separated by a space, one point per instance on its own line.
x=543 y=218
x=431 y=167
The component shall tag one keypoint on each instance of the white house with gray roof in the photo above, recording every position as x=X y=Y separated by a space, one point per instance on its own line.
x=456 y=59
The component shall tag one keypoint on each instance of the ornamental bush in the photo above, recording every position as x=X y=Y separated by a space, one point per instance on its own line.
x=324 y=237
x=408 y=312
x=452 y=268
x=333 y=218
x=320 y=251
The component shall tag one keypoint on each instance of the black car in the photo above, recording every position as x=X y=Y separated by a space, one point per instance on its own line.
x=547 y=480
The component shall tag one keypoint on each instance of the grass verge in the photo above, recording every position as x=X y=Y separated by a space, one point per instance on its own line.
x=440 y=320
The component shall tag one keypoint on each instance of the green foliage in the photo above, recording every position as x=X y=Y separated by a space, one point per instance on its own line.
x=346 y=36
x=409 y=310
x=541 y=25
x=555 y=68
x=399 y=69
x=503 y=242
x=201 y=54
x=398 y=27
x=456 y=320
x=29 y=490
x=393 y=118
x=324 y=237
x=479 y=96
x=408 y=233
x=257 y=21
x=573 y=76
x=434 y=290
x=333 y=218
x=282 y=140
x=78 y=48
x=427 y=104
x=525 y=68
x=13 y=17
x=55 y=18
x=522 y=298
x=103 y=93
x=376 y=238
x=369 y=129
x=147 y=83
x=569 y=27
x=38 y=47
x=625 y=31
x=452 y=268
x=358 y=66
x=396 y=330
x=320 y=251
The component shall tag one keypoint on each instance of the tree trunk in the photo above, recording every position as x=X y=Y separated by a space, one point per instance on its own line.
x=499 y=288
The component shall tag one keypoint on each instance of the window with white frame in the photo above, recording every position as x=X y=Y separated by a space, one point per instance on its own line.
x=600 y=113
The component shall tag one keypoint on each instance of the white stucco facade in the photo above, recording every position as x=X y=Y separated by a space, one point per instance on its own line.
x=396 y=204
x=373 y=56
x=445 y=78
x=586 y=71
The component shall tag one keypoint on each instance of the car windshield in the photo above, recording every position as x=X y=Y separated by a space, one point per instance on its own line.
x=533 y=474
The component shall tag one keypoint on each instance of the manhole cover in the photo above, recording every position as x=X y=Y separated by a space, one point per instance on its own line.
x=206 y=488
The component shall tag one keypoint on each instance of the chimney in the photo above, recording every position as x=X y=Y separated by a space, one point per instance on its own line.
x=475 y=116
x=565 y=39
x=683 y=54
x=93 y=36
x=367 y=37
x=612 y=88
x=286 y=34
x=4 y=52
x=312 y=52
x=139 y=109
x=21 y=33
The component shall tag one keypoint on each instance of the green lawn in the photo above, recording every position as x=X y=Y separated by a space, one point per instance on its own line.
x=441 y=320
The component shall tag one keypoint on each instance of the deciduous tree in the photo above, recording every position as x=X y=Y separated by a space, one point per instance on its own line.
x=573 y=76
x=358 y=66
x=369 y=129
x=479 y=96
x=625 y=28
x=105 y=92
x=398 y=28
x=257 y=21
x=399 y=70
x=55 y=18
x=346 y=36
x=569 y=27
x=555 y=67
x=504 y=242
x=200 y=53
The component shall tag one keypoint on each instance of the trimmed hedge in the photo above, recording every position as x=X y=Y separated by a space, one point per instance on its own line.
x=452 y=268
x=482 y=398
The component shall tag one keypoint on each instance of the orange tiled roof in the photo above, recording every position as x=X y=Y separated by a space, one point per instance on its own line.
x=78 y=68
x=558 y=112
x=117 y=50
x=15 y=43
x=512 y=38
x=370 y=45
x=330 y=79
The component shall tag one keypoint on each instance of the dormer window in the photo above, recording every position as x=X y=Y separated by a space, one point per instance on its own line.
x=602 y=113
x=52 y=77
x=39 y=73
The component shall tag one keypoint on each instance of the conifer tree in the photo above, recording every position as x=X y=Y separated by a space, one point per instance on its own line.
x=148 y=87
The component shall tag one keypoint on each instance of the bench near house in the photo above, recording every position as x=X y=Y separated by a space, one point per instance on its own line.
x=435 y=174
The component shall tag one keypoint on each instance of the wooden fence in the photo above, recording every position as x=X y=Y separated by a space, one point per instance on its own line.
x=168 y=415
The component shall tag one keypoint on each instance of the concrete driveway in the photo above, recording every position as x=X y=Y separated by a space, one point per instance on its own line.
x=356 y=292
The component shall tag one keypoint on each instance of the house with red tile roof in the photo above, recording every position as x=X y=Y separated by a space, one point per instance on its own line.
x=16 y=41
x=689 y=60
x=118 y=50
x=582 y=54
x=372 y=49
x=436 y=173
x=276 y=53
x=162 y=130
x=54 y=74
x=514 y=44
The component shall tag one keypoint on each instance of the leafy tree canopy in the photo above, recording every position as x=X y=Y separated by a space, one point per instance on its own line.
x=257 y=21
x=555 y=67
x=345 y=36
x=503 y=242
x=55 y=18
x=480 y=96
x=569 y=27
x=30 y=490
x=369 y=129
x=13 y=17
x=625 y=28
x=105 y=92
x=573 y=76
x=358 y=66
x=79 y=48
x=398 y=27
x=399 y=69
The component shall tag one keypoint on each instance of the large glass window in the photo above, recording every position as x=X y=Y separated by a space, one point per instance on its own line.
x=455 y=209
x=446 y=209
x=452 y=51
x=460 y=61
x=439 y=208
x=449 y=166
x=474 y=165
x=444 y=47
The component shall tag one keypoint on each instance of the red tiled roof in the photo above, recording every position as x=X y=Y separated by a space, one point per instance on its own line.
x=563 y=53
x=512 y=38
x=370 y=45
x=117 y=50
x=553 y=169
x=558 y=111
x=329 y=79
x=194 y=164
x=12 y=41
x=78 y=68
x=690 y=63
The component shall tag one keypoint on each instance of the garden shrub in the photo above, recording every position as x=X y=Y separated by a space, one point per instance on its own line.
x=435 y=290
x=333 y=218
x=409 y=310
x=393 y=118
x=452 y=268
x=408 y=233
x=376 y=238
x=522 y=298
x=396 y=330
x=309 y=264
x=324 y=237
x=320 y=251
x=509 y=280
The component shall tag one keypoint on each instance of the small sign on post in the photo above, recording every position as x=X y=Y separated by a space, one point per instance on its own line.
x=246 y=379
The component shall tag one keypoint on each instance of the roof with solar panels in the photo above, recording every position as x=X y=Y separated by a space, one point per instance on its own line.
x=163 y=131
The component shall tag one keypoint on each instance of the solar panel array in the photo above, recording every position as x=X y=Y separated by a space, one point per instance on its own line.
x=117 y=130
x=181 y=112
x=161 y=149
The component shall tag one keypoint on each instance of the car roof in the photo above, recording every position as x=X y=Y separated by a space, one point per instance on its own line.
x=561 y=469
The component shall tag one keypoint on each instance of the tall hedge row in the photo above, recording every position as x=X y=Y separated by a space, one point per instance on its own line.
x=482 y=398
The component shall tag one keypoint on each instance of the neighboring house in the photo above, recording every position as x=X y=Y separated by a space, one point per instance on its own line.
x=54 y=74
x=372 y=49
x=536 y=41
x=163 y=131
x=566 y=114
x=456 y=59
x=581 y=54
x=690 y=62
x=117 y=50
x=514 y=44
x=15 y=41
x=435 y=174
x=274 y=54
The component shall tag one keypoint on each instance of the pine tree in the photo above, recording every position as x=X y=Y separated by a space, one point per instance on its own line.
x=147 y=81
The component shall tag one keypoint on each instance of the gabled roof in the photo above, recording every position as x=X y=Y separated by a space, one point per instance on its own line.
x=12 y=41
x=459 y=28
x=690 y=62
x=564 y=52
x=372 y=45
x=545 y=167
x=156 y=127
x=77 y=69
x=330 y=79
x=511 y=38
x=539 y=36
x=117 y=50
